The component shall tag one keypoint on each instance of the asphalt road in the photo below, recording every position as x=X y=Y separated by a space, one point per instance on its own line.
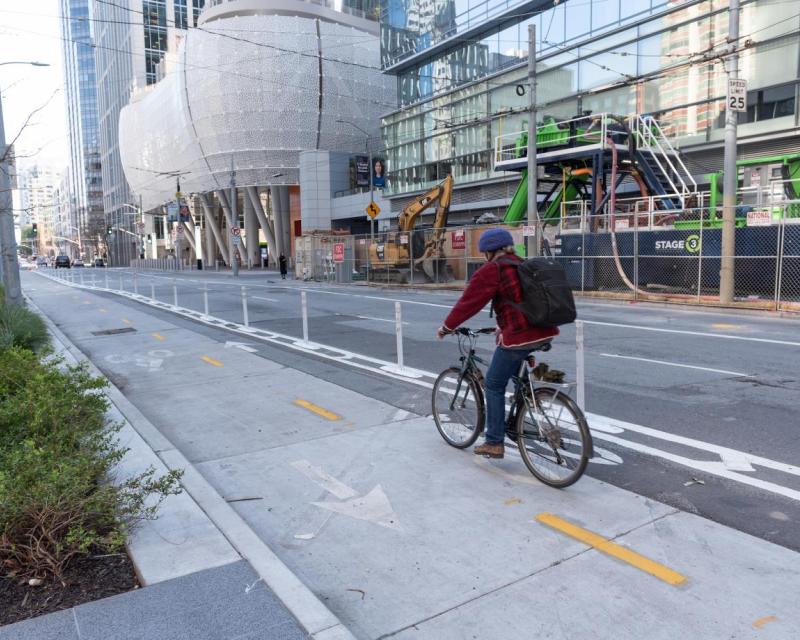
x=702 y=404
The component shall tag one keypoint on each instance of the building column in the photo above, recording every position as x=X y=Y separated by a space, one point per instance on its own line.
x=251 y=230
x=210 y=244
x=211 y=222
x=280 y=200
x=252 y=193
x=222 y=196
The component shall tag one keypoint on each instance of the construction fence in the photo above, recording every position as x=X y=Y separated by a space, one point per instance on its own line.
x=664 y=256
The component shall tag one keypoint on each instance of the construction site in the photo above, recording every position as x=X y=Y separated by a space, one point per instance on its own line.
x=616 y=204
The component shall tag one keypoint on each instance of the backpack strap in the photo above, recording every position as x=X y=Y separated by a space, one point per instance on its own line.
x=501 y=260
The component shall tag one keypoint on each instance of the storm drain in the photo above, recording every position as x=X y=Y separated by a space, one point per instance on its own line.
x=113 y=332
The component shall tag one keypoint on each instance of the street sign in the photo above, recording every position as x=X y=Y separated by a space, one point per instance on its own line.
x=760 y=218
x=529 y=230
x=179 y=232
x=737 y=94
x=458 y=239
x=236 y=231
x=140 y=227
x=373 y=210
x=338 y=251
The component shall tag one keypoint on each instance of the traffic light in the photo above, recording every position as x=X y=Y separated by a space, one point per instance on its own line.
x=109 y=230
x=35 y=228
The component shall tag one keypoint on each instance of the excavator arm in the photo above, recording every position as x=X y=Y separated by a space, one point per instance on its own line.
x=441 y=193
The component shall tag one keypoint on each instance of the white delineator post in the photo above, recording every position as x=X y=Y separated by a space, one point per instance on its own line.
x=106 y=279
x=136 y=283
x=205 y=299
x=398 y=323
x=81 y=277
x=175 y=293
x=304 y=305
x=580 y=377
x=121 y=286
x=245 y=315
x=152 y=291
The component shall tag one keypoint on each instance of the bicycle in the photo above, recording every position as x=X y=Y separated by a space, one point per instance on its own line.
x=547 y=426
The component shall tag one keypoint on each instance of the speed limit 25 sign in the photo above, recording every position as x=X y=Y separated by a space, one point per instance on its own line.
x=737 y=95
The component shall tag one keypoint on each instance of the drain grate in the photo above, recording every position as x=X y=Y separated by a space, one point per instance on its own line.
x=113 y=332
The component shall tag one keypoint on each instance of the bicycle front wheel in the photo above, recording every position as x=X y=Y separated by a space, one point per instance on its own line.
x=553 y=438
x=458 y=408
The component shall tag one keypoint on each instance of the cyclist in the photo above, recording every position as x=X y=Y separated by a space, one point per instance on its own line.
x=497 y=281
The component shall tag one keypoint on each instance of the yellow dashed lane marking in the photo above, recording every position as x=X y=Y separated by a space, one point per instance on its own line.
x=328 y=415
x=103 y=310
x=511 y=501
x=158 y=337
x=126 y=321
x=612 y=549
x=762 y=621
x=216 y=363
x=725 y=325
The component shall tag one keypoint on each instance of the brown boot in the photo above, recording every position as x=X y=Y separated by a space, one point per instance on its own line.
x=490 y=450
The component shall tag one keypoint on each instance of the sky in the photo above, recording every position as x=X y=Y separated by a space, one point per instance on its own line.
x=29 y=31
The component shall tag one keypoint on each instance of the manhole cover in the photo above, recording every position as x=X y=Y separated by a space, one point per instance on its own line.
x=113 y=332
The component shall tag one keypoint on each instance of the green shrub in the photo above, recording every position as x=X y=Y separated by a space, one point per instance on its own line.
x=56 y=456
x=20 y=327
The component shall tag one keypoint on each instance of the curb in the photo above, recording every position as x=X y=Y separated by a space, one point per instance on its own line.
x=317 y=620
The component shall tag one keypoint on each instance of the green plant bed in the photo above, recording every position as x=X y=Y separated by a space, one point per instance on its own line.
x=20 y=327
x=57 y=454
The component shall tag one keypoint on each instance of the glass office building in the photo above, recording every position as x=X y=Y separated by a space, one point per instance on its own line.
x=83 y=194
x=459 y=65
x=132 y=38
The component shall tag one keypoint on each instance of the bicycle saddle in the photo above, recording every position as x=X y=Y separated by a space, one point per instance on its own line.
x=545 y=345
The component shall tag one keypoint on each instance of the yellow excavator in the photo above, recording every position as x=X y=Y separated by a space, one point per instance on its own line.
x=394 y=255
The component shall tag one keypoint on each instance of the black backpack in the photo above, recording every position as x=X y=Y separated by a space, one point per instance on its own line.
x=547 y=299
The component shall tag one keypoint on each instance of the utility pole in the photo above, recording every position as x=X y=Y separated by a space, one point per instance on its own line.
x=233 y=222
x=534 y=243
x=731 y=177
x=371 y=196
x=8 y=243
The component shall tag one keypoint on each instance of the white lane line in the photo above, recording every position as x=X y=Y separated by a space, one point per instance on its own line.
x=267 y=299
x=691 y=333
x=676 y=364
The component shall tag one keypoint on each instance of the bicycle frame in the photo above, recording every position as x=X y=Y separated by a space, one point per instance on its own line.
x=469 y=365
x=525 y=385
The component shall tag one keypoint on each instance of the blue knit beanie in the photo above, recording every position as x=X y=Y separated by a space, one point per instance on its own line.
x=495 y=239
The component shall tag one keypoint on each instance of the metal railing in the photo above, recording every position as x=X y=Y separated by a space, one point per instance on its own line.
x=650 y=137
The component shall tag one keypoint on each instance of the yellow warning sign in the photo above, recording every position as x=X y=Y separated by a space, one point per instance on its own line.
x=373 y=210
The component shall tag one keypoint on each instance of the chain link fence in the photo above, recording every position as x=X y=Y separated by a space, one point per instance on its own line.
x=655 y=255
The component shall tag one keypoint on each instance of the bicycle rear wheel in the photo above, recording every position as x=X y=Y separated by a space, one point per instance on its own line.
x=554 y=441
x=458 y=408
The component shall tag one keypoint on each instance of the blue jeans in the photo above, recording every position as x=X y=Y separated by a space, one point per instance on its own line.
x=505 y=364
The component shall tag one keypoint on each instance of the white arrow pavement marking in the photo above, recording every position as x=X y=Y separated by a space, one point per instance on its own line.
x=240 y=345
x=324 y=480
x=373 y=507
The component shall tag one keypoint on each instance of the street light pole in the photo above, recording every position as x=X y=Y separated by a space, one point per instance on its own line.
x=535 y=243
x=8 y=243
x=371 y=187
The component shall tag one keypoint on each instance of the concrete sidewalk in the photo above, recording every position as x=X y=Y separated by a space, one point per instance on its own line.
x=400 y=535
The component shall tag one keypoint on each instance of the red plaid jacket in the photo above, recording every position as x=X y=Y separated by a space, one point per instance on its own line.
x=498 y=281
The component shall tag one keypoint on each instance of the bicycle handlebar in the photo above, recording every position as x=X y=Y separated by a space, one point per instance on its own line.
x=466 y=331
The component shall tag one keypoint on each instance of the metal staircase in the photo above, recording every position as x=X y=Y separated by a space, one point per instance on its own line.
x=660 y=163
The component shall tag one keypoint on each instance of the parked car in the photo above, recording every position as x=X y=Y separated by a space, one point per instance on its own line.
x=77 y=262
x=98 y=262
x=62 y=261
